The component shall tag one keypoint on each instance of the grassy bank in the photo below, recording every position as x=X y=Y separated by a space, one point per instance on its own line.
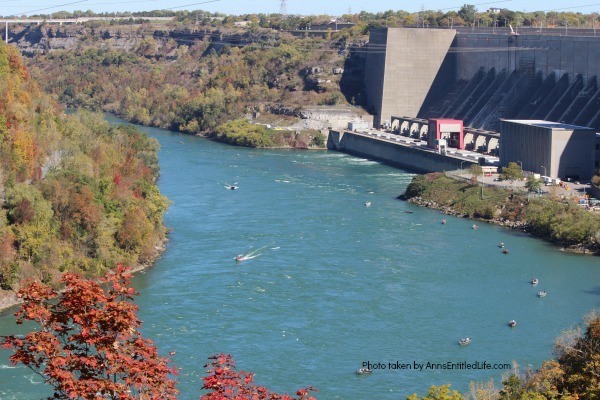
x=560 y=221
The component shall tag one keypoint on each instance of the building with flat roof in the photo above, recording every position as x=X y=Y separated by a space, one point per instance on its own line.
x=550 y=148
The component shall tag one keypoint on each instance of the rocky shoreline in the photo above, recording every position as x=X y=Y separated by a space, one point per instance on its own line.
x=516 y=225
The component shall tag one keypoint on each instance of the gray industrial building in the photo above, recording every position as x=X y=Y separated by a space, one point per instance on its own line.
x=497 y=81
x=550 y=148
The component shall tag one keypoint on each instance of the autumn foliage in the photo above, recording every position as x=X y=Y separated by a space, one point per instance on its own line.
x=88 y=344
x=77 y=194
x=223 y=383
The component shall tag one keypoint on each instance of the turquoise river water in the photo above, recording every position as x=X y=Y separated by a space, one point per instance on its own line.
x=335 y=283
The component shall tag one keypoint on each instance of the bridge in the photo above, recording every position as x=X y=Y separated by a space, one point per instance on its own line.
x=79 y=20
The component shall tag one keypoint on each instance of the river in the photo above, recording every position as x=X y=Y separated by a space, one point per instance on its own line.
x=336 y=283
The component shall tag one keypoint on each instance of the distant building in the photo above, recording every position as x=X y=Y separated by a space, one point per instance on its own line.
x=358 y=126
x=550 y=148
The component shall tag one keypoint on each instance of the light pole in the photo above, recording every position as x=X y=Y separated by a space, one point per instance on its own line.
x=521 y=164
x=461 y=170
x=544 y=170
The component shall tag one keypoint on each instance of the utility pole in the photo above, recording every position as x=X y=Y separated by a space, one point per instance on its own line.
x=283 y=9
x=6 y=33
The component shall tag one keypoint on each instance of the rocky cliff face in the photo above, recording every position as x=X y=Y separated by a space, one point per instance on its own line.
x=34 y=39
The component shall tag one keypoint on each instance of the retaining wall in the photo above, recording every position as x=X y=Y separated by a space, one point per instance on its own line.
x=391 y=153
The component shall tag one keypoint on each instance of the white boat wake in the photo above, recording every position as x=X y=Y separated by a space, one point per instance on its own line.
x=249 y=255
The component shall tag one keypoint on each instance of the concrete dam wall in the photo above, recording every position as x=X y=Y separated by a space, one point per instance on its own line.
x=482 y=77
x=392 y=153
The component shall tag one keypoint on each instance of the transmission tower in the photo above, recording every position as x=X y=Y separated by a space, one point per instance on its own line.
x=283 y=9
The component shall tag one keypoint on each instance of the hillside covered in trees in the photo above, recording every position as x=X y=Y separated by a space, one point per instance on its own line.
x=76 y=194
x=193 y=80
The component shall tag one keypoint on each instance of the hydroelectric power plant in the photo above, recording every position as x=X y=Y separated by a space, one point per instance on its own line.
x=482 y=77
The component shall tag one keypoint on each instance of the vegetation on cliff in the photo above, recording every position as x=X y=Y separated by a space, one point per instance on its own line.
x=195 y=83
x=76 y=194
x=551 y=217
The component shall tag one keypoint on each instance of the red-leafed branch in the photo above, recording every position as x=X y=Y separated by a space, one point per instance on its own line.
x=88 y=344
x=224 y=382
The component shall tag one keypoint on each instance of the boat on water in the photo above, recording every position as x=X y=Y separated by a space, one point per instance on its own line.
x=475 y=226
x=534 y=281
x=504 y=251
x=443 y=222
x=464 y=341
x=408 y=211
x=512 y=323
x=363 y=371
x=501 y=245
x=542 y=293
x=368 y=204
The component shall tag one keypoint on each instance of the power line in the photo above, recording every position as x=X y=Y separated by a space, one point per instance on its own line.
x=193 y=4
x=59 y=5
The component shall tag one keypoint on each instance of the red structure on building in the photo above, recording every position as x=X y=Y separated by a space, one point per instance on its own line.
x=450 y=130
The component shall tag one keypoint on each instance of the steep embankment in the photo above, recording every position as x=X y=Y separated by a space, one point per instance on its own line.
x=194 y=80
x=553 y=219
x=76 y=194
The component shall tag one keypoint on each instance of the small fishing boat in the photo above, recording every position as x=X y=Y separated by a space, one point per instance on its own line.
x=542 y=293
x=504 y=251
x=368 y=204
x=501 y=245
x=363 y=371
x=443 y=222
x=512 y=323
x=534 y=281
x=475 y=226
x=464 y=341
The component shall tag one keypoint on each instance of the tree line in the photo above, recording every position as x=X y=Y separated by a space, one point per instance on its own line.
x=76 y=194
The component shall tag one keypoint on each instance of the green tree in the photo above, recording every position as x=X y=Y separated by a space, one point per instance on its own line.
x=467 y=13
x=512 y=172
x=438 y=393
x=533 y=184
x=579 y=358
x=476 y=171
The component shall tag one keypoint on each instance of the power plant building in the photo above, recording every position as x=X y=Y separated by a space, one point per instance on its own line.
x=550 y=148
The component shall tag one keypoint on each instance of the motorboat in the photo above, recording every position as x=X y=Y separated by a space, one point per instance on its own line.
x=542 y=293
x=534 y=281
x=368 y=204
x=512 y=323
x=504 y=251
x=501 y=245
x=408 y=211
x=475 y=226
x=363 y=371
x=464 y=341
x=443 y=222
